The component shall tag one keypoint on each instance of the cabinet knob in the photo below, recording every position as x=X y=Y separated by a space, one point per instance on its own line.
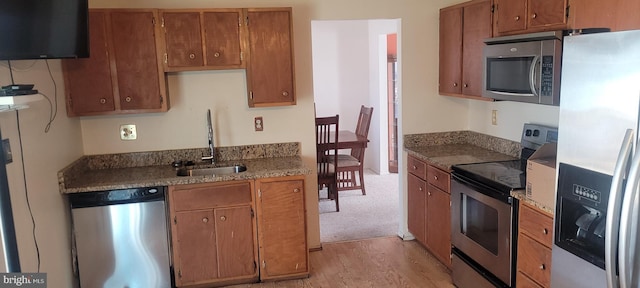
x=128 y=99
x=545 y=231
x=223 y=218
x=296 y=190
x=192 y=56
x=435 y=177
x=455 y=84
x=429 y=193
x=534 y=16
x=285 y=93
x=217 y=54
x=205 y=219
x=419 y=188
x=542 y=267
x=465 y=85
x=517 y=18
x=415 y=167
x=103 y=100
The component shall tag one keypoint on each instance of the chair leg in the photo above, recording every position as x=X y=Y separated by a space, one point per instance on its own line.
x=362 y=180
x=335 y=189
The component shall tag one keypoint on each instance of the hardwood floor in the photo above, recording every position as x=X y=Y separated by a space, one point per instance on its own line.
x=377 y=262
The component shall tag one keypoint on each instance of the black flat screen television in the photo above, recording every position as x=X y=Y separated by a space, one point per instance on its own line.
x=43 y=29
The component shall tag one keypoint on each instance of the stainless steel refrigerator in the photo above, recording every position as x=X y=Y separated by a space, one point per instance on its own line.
x=596 y=219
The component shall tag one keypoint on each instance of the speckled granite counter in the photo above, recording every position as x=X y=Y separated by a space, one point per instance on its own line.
x=522 y=196
x=446 y=149
x=141 y=169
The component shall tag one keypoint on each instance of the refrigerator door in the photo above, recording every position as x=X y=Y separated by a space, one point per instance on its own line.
x=599 y=101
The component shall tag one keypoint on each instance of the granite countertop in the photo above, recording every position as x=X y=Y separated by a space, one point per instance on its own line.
x=446 y=149
x=144 y=169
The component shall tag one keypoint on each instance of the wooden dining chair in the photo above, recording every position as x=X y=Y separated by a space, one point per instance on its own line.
x=327 y=156
x=353 y=163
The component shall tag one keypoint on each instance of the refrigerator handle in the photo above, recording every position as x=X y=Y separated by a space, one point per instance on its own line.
x=628 y=224
x=614 y=206
x=532 y=75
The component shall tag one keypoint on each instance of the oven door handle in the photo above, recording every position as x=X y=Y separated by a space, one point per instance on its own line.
x=532 y=75
x=613 y=208
x=628 y=223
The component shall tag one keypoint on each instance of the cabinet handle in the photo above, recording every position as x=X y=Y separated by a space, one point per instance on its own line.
x=217 y=54
x=517 y=18
x=223 y=218
x=103 y=100
x=534 y=16
x=455 y=84
x=128 y=99
x=285 y=93
x=296 y=190
x=545 y=231
x=192 y=56
x=542 y=267
x=205 y=219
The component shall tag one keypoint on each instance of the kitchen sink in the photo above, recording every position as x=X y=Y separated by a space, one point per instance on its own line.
x=212 y=171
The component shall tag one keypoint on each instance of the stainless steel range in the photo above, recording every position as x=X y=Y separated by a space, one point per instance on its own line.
x=484 y=215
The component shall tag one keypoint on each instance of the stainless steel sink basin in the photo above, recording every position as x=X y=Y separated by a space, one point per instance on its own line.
x=212 y=171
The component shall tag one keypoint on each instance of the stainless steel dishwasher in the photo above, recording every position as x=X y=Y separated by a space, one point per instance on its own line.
x=120 y=238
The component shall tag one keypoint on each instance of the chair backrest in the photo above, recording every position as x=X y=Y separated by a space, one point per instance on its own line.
x=362 y=129
x=327 y=145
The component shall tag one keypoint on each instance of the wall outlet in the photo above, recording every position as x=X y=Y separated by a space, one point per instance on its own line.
x=128 y=132
x=494 y=117
x=258 y=124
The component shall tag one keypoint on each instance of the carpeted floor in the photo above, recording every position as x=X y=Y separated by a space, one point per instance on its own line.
x=362 y=216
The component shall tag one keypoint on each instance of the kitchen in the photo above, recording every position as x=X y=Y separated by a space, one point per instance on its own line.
x=192 y=92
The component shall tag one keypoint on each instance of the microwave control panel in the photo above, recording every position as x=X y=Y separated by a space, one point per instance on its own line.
x=546 y=81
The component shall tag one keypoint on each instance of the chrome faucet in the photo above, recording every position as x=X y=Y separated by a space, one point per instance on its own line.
x=211 y=147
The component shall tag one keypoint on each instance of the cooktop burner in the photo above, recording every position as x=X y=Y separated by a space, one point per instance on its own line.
x=504 y=176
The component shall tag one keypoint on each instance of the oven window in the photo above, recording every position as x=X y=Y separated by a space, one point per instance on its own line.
x=509 y=75
x=480 y=223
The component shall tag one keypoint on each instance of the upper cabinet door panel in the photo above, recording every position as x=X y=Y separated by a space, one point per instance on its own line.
x=450 y=51
x=270 y=71
x=222 y=38
x=511 y=15
x=183 y=38
x=88 y=80
x=544 y=13
x=137 y=65
x=593 y=13
x=477 y=27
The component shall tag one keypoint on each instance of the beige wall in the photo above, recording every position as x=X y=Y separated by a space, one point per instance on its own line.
x=224 y=92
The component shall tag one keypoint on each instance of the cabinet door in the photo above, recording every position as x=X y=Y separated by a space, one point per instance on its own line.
x=222 y=38
x=196 y=247
x=511 y=15
x=417 y=208
x=544 y=13
x=282 y=228
x=592 y=13
x=627 y=15
x=270 y=68
x=439 y=224
x=234 y=239
x=450 y=51
x=136 y=58
x=183 y=39
x=477 y=27
x=88 y=80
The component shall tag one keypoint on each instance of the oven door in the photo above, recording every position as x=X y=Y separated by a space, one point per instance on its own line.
x=482 y=226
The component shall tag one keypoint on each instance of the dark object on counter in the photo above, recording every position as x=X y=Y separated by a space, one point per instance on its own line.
x=571 y=32
x=176 y=164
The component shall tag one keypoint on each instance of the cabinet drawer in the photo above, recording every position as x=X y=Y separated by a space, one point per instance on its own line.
x=438 y=178
x=522 y=281
x=536 y=225
x=534 y=260
x=210 y=196
x=417 y=167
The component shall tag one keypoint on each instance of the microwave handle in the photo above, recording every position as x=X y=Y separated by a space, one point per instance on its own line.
x=628 y=224
x=532 y=75
x=613 y=208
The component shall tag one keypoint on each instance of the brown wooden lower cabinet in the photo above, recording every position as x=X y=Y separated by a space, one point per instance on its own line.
x=534 y=247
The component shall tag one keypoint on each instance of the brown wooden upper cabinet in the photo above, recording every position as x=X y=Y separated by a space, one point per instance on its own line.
x=123 y=73
x=463 y=28
x=270 y=76
x=524 y=16
x=202 y=39
x=618 y=15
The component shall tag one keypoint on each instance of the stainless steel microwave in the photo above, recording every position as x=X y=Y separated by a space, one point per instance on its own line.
x=523 y=68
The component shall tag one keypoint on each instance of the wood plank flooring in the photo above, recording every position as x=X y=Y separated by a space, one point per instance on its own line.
x=377 y=262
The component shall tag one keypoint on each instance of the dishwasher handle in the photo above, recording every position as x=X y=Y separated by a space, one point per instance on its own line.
x=116 y=197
